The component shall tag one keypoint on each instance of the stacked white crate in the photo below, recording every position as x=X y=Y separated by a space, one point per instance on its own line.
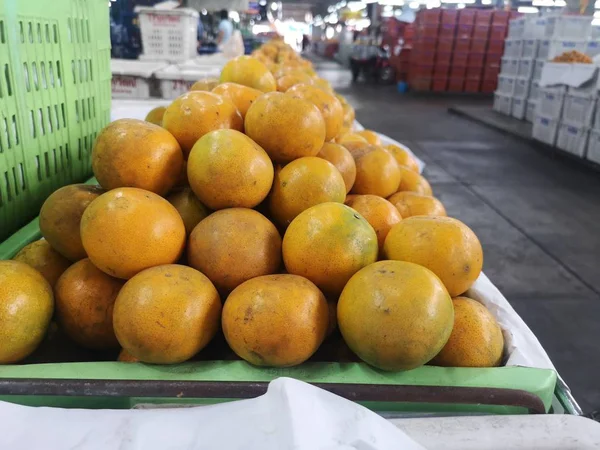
x=593 y=149
x=553 y=123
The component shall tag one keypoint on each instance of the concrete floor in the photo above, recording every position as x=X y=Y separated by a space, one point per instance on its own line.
x=537 y=218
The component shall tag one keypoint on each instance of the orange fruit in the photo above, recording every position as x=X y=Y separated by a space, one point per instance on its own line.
x=233 y=245
x=286 y=127
x=228 y=169
x=413 y=182
x=395 y=315
x=189 y=208
x=342 y=160
x=413 y=204
x=327 y=244
x=26 y=305
x=323 y=84
x=125 y=356
x=196 y=113
x=377 y=173
x=155 y=115
x=134 y=153
x=166 y=314
x=275 y=320
x=205 y=84
x=241 y=96
x=127 y=230
x=42 y=257
x=476 y=339
x=60 y=218
x=370 y=136
x=380 y=213
x=330 y=107
x=250 y=72
x=303 y=183
x=403 y=157
x=85 y=297
x=292 y=78
x=444 y=245
x=350 y=137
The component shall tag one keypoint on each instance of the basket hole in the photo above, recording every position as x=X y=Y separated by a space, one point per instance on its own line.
x=47 y=163
x=15 y=129
x=39 y=167
x=83 y=68
x=26 y=74
x=21 y=32
x=67 y=153
x=39 y=32
x=64 y=116
x=51 y=73
x=77 y=111
x=91 y=72
x=78 y=37
x=35 y=76
x=50 y=125
x=87 y=27
x=85 y=144
x=56 y=117
x=79 y=149
x=47 y=27
x=2 y=38
x=55 y=33
x=74 y=71
x=6 y=134
x=55 y=160
x=58 y=73
x=32 y=124
x=7 y=76
x=41 y=121
x=30 y=32
x=7 y=187
x=22 y=176
x=69 y=29
x=91 y=112
x=83 y=111
x=43 y=72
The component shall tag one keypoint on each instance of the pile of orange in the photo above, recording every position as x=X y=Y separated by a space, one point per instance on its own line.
x=252 y=205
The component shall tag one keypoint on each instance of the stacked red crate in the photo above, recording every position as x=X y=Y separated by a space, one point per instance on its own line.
x=422 y=59
x=495 y=49
x=482 y=20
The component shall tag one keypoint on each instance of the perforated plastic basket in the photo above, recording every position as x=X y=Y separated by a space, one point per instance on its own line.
x=54 y=98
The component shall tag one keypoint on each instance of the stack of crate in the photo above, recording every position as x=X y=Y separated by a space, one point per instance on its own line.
x=422 y=57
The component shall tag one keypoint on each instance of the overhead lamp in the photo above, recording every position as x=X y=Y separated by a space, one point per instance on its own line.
x=204 y=12
x=413 y=5
x=486 y=2
x=560 y=3
x=433 y=4
x=234 y=15
x=262 y=2
x=356 y=6
x=274 y=6
x=543 y=3
x=460 y=5
x=392 y=2
x=528 y=10
x=466 y=2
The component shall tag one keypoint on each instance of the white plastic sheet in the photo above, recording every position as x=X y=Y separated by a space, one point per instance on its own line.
x=291 y=415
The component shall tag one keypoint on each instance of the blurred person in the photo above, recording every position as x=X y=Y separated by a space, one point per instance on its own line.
x=225 y=28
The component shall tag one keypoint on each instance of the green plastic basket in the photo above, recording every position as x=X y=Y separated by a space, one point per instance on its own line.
x=54 y=98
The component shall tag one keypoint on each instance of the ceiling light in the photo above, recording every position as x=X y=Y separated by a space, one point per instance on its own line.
x=560 y=3
x=486 y=2
x=528 y=10
x=413 y=5
x=460 y=5
x=543 y=3
x=274 y=6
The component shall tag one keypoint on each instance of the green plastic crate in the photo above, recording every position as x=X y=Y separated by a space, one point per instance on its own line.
x=54 y=98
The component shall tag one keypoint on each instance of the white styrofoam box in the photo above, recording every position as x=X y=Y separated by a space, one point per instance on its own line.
x=521 y=89
x=506 y=84
x=530 y=48
x=578 y=111
x=593 y=150
x=589 y=89
x=519 y=106
x=568 y=27
x=592 y=48
x=516 y=27
x=530 y=110
x=169 y=34
x=509 y=66
x=543 y=49
x=597 y=115
x=595 y=32
x=525 y=68
x=537 y=69
x=176 y=80
x=534 y=91
x=559 y=46
x=512 y=48
x=550 y=103
x=535 y=27
x=572 y=139
x=132 y=78
x=574 y=75
x=502 y=103
x=544 y=129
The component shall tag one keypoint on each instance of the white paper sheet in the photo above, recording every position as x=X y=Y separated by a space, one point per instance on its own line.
x=291 y=415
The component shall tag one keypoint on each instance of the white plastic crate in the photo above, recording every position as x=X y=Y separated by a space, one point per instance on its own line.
x=593 y=150
x=535 y=27
x=502 y=103
x=550 y=103
x=589 y=89
x=519 y=106
x=506 y=85
x=548 y=49
x=592 y=48
x=530 y=48
x=133 y=79
x=597 y=115
x=525 y=68
x=176 y=80
x=544 y=129
x=572 y=139
x=530 y=110
x=516 y=27
x=509 y=66
x=538 y=65
x=578 y=111
x=568 y=27
x=521 y=89
x=512 y=48
x=169 y=35
x=534 y=91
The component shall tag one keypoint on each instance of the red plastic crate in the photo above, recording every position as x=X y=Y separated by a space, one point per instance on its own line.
x=460 y=58
x=449 y=16
x=462 y=45
x=427 y=30
x=422 y=57
x=498 y=32
x=420 y=70
x=447 y=31
x=493 y=59
x=474 y=73
x=488 y=86
x=496 y=46
x=455 y=84
x=467 y=16
x=439 y=84
x=428 y=16
x=476 y=59
x=443 y=58
x=484 y=16
x=501 y=17
x=426 y=44
x=481 y=31
x=445 y=45
x=441 y=71
x=478 y=45
x=491 y=73
x=458 y=72
x=464 y=31
x=420 y=84
x=472 y=85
